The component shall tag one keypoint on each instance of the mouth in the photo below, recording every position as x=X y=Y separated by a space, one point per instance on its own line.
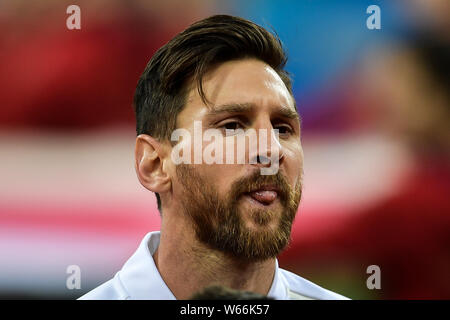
x=265 y=195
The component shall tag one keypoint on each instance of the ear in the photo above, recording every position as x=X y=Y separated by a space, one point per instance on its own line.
x=149 y=164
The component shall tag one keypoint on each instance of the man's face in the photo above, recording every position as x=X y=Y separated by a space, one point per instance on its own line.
x=233 y=208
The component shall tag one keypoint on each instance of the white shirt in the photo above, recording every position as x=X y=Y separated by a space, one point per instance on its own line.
x=139 y=279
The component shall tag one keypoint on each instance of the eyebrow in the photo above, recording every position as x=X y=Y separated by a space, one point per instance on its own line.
x=285 y=112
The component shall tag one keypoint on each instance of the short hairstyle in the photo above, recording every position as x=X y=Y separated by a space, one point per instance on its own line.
x=163 y=86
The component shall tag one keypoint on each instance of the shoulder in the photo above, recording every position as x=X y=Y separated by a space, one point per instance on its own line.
x=300 y=288
x=110 y=290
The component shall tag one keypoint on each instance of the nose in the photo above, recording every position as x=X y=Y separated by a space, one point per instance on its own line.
x=269 y=150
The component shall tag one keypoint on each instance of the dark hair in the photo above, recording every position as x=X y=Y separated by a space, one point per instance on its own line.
x=162 y=88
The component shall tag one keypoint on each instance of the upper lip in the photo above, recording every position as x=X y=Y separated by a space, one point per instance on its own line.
x=266 y=187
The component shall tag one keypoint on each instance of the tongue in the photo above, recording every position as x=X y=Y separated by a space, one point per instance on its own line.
x=264 y=196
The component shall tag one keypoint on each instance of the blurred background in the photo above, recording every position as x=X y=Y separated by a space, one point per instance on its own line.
x=375 y=107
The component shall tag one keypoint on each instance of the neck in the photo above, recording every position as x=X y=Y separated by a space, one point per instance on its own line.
x=188 y=266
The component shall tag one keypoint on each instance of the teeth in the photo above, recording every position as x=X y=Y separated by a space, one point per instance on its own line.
x=264 y=196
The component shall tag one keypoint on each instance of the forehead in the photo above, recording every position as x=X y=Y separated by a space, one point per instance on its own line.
x=248 y=81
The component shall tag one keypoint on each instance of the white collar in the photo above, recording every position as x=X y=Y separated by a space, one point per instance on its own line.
x=141 y=279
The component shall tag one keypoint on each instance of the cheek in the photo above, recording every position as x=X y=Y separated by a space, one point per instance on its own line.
x=217 y=176
x=300 y=158
x=294 y=164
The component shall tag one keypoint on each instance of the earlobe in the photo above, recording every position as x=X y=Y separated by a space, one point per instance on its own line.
x=149 y=160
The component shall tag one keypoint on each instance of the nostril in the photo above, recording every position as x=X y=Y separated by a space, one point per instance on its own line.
x=263 y=160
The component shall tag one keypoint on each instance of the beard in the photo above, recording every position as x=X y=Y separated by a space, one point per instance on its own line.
x=219 y=224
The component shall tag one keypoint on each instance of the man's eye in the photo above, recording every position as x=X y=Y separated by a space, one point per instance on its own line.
x=234 y=125
x=284 y=129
